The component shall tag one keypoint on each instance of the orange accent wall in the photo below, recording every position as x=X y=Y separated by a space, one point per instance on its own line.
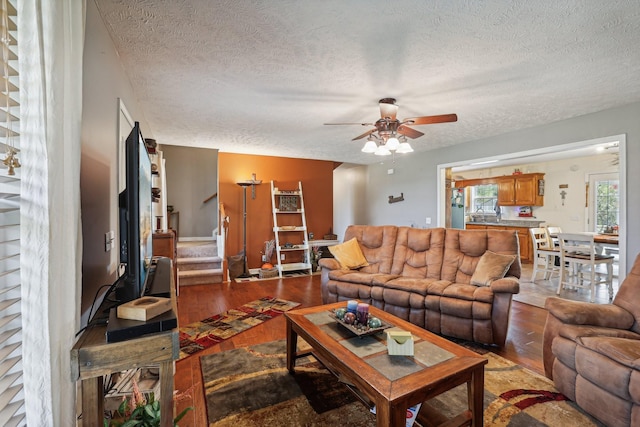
x=317 y=189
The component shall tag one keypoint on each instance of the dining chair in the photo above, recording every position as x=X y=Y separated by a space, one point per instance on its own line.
x=578 y=262
x=553 y=232
x=544 y=254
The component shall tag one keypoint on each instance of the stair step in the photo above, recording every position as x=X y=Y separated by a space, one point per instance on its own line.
x=199 y=263
x=197 y=249
x=200 y=277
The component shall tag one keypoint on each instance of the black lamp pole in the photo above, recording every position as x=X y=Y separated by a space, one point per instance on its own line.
x=244 y=185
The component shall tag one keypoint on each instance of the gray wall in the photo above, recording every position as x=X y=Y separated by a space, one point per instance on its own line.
x=104 y=82
x=415 y=174
x=192 y=177
x=349 y=188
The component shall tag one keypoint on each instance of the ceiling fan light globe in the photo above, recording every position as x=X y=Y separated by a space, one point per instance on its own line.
x=404 y=148
x=382 y=151
x=370 y=147
x=392 y=143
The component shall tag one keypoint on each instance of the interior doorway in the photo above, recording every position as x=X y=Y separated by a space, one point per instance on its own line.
x=553 y=152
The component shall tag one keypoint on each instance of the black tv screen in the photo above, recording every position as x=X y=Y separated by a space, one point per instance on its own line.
x=136 y=219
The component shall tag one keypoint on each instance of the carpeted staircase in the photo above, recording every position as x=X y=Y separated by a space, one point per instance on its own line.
x=199 y=263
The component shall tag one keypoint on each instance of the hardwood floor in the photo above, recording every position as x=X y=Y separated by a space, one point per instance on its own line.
x=524 y=342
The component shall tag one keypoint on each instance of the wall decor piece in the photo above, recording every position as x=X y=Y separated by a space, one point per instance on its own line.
x=396 y=199
x=288 y=203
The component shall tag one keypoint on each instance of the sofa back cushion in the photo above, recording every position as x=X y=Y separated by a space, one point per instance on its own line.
x=628 y=296
x=377 y=244
x=463 y=249
x=418 y=252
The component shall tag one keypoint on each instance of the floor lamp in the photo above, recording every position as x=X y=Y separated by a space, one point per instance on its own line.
x=244 y=184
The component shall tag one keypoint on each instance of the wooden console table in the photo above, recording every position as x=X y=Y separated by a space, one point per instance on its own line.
x=92 y=358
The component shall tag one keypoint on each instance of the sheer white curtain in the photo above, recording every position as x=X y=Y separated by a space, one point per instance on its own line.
x=51 y=38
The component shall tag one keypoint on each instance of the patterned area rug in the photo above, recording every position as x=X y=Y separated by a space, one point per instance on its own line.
x=205 y=333
x=251 y=386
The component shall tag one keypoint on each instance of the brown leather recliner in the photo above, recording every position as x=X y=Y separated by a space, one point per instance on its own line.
x=592 y=352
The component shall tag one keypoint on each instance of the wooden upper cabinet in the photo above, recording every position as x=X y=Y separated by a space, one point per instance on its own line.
x=506 y=192
x=513 y=190
x=521 y=190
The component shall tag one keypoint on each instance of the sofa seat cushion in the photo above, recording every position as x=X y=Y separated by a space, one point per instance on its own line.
x=355 y=276
x=575 y=332
x=409 y=284
x=611 y=364
x=461 y=291
x=564 y=346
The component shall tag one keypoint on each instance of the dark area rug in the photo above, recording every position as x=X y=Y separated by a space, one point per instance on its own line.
x=251 y=387
x=197 y=336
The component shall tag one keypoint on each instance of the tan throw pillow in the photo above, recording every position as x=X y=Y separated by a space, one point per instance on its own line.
x=492 y=266
x=349 y=254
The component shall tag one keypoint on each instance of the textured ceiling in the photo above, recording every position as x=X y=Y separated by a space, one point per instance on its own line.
x=262 y=77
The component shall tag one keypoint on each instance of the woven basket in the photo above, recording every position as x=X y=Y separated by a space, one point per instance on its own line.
x=267 y=273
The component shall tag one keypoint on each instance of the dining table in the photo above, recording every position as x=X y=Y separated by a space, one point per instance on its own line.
x=606 y=239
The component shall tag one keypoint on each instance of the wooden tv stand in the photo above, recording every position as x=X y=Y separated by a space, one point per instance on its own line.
x=92 y=358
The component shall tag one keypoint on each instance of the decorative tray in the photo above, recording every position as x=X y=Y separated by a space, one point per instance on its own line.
x=356 y=330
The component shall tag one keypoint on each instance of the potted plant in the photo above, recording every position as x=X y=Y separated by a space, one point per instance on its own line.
x=140 y=410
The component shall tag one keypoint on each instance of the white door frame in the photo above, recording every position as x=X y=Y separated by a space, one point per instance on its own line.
x=622 y=151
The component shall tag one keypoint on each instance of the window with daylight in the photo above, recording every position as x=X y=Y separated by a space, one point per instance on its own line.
x=607 y=205
x=11 y=380
x=484 y=198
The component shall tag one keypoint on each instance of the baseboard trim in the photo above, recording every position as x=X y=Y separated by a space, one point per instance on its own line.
x=196 y=239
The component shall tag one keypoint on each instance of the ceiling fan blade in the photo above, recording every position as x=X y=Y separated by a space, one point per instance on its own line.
x=407 y=131
x=367 y=133
x=388 y=110
x=427 y=120
x=340 y=124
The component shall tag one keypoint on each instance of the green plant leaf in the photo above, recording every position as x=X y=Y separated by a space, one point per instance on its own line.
x=181 y=415
x=151 y=412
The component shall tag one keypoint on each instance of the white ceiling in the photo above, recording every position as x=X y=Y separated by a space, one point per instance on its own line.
x=262 y=77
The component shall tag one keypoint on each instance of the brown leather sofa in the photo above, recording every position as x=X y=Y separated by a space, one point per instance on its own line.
x=424 y=275
x=592 y=352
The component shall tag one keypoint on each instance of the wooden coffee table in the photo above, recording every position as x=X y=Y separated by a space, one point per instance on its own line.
x=392 y=383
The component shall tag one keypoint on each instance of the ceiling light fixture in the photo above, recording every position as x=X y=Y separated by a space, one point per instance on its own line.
x=370 y=146
x=386 y=143
x=382 y=151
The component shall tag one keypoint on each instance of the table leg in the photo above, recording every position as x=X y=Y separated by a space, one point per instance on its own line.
x=292 y=346
x=387 y=416
x=475 y=391
x=166 y=394
x=92 y=401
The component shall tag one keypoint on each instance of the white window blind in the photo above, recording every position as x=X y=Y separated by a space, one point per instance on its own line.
x=11 y=390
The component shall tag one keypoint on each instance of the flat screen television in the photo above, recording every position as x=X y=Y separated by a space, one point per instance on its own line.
x=136 y=220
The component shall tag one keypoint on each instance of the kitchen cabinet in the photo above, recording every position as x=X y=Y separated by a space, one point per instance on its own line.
x=524 y=239
x=521 y=190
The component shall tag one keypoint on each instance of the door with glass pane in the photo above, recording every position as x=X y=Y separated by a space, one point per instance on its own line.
x=604 y=202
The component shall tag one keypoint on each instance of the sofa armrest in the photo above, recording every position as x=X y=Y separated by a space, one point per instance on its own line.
x=506 y=284
x=329 y=263
x=584 y=313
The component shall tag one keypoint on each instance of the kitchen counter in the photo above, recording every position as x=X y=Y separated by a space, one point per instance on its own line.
x=528 y=223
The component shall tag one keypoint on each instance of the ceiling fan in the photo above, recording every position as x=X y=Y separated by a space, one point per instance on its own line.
x=389 y=131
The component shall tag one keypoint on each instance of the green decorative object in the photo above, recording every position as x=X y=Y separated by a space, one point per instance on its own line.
x=340 y=313
x=374 y=322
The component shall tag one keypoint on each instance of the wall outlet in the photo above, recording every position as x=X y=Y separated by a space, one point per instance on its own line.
x=428 y=220
x=281 y=257
x=264 y=258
